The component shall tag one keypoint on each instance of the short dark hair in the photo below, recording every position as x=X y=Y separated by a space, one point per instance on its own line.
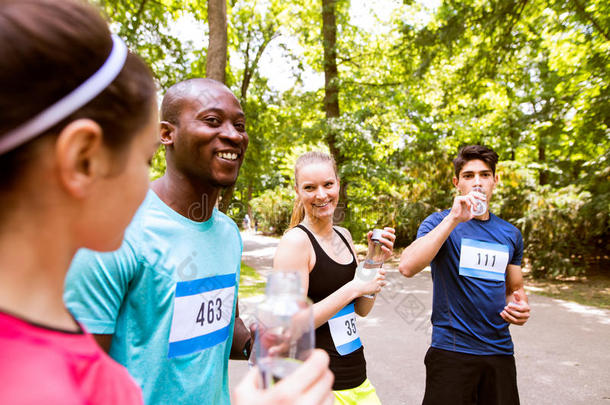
x=49 y=48
x=174 y=98
x=475 y=152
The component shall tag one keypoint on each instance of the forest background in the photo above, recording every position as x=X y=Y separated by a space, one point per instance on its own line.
x=392 y=89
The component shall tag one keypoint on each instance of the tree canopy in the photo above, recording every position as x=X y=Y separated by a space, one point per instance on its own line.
x=530 y=78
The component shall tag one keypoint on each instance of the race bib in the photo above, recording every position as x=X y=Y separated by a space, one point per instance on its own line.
x=483 y=259
x=203 y=309
x=343 y=330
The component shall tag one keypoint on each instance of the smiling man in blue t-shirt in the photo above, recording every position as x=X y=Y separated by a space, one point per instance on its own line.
x=478 y=290
x=165 y=304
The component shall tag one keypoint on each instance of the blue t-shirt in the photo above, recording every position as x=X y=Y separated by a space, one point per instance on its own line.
x=468 y=274
x=168 y=297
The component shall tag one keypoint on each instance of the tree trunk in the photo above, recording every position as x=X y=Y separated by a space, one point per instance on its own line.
x=216 y=65
x=543 y=176
x=251 y=65
x=331 y=94
x=216 y=62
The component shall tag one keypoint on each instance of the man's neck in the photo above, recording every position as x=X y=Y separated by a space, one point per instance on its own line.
x=483 y=217
x=193 y=201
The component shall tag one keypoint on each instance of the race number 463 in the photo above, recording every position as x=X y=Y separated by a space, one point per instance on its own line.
x=203 y=310
x=210 y=311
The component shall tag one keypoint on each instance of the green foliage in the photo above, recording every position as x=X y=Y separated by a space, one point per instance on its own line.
x=273 y=209
x=529 y=78
x=566 y=230
x=556 y=236
x=157 y=168
x=145 y=27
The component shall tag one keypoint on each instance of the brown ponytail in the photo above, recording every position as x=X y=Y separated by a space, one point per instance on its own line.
x=298 y=213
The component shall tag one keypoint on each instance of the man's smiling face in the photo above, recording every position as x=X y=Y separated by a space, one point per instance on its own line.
x=211 y=139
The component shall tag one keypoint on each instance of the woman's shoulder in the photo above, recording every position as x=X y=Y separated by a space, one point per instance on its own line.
x=295 y=250
x=344 y=231
x=295 y=236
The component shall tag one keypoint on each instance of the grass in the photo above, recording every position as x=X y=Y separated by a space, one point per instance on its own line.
x=250 y=282
x=591 y=290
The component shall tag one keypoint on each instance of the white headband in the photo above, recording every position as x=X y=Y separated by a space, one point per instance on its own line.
x=80 y=96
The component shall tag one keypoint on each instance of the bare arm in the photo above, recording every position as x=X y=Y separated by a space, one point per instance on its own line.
x=295 y=253
x=517 y=309
x=104 y=341
x=242 y=338
x=364 y=305
x=422 y=251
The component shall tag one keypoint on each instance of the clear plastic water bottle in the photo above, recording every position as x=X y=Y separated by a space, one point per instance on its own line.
x=375 y=257
x=374 y=260
x=480 y=207
x=285 y=333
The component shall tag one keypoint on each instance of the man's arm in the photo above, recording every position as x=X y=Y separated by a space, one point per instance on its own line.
x=242 y=338
x=517 y=309
x=422 y=251
x=104 y=341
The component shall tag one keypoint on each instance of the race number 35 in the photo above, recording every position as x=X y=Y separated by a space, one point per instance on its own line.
x=350 y=324
x=343 y=330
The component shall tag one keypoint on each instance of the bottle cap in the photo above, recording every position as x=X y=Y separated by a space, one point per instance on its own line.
x=377 y=234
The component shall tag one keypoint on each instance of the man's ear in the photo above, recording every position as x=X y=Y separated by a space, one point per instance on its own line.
x=167 y=132
x=455 y=181
x=81 y=156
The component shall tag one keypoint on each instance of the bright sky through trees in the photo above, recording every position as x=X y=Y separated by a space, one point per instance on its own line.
x=416 y=79
x=375 y=17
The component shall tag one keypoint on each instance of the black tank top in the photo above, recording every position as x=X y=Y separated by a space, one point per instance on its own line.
x=326 y=277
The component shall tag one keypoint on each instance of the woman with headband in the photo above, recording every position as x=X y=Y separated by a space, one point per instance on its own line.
x=78 y=129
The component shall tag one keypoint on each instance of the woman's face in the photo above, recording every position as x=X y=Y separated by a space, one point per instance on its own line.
x=120 y=194
x=318 y=189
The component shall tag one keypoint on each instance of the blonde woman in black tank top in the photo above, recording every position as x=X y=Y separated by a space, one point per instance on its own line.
x=325 y=256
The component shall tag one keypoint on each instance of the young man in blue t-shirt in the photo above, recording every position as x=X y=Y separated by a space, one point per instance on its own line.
x=477 y=290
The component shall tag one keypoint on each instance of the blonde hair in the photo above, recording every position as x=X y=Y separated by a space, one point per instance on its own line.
x=298 y=210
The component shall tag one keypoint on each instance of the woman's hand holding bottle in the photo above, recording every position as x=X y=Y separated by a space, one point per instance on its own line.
x=370 y=275
x=381 y=244
x=368 y=281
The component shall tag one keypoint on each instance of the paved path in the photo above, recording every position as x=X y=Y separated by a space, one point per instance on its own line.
x=562 y=353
